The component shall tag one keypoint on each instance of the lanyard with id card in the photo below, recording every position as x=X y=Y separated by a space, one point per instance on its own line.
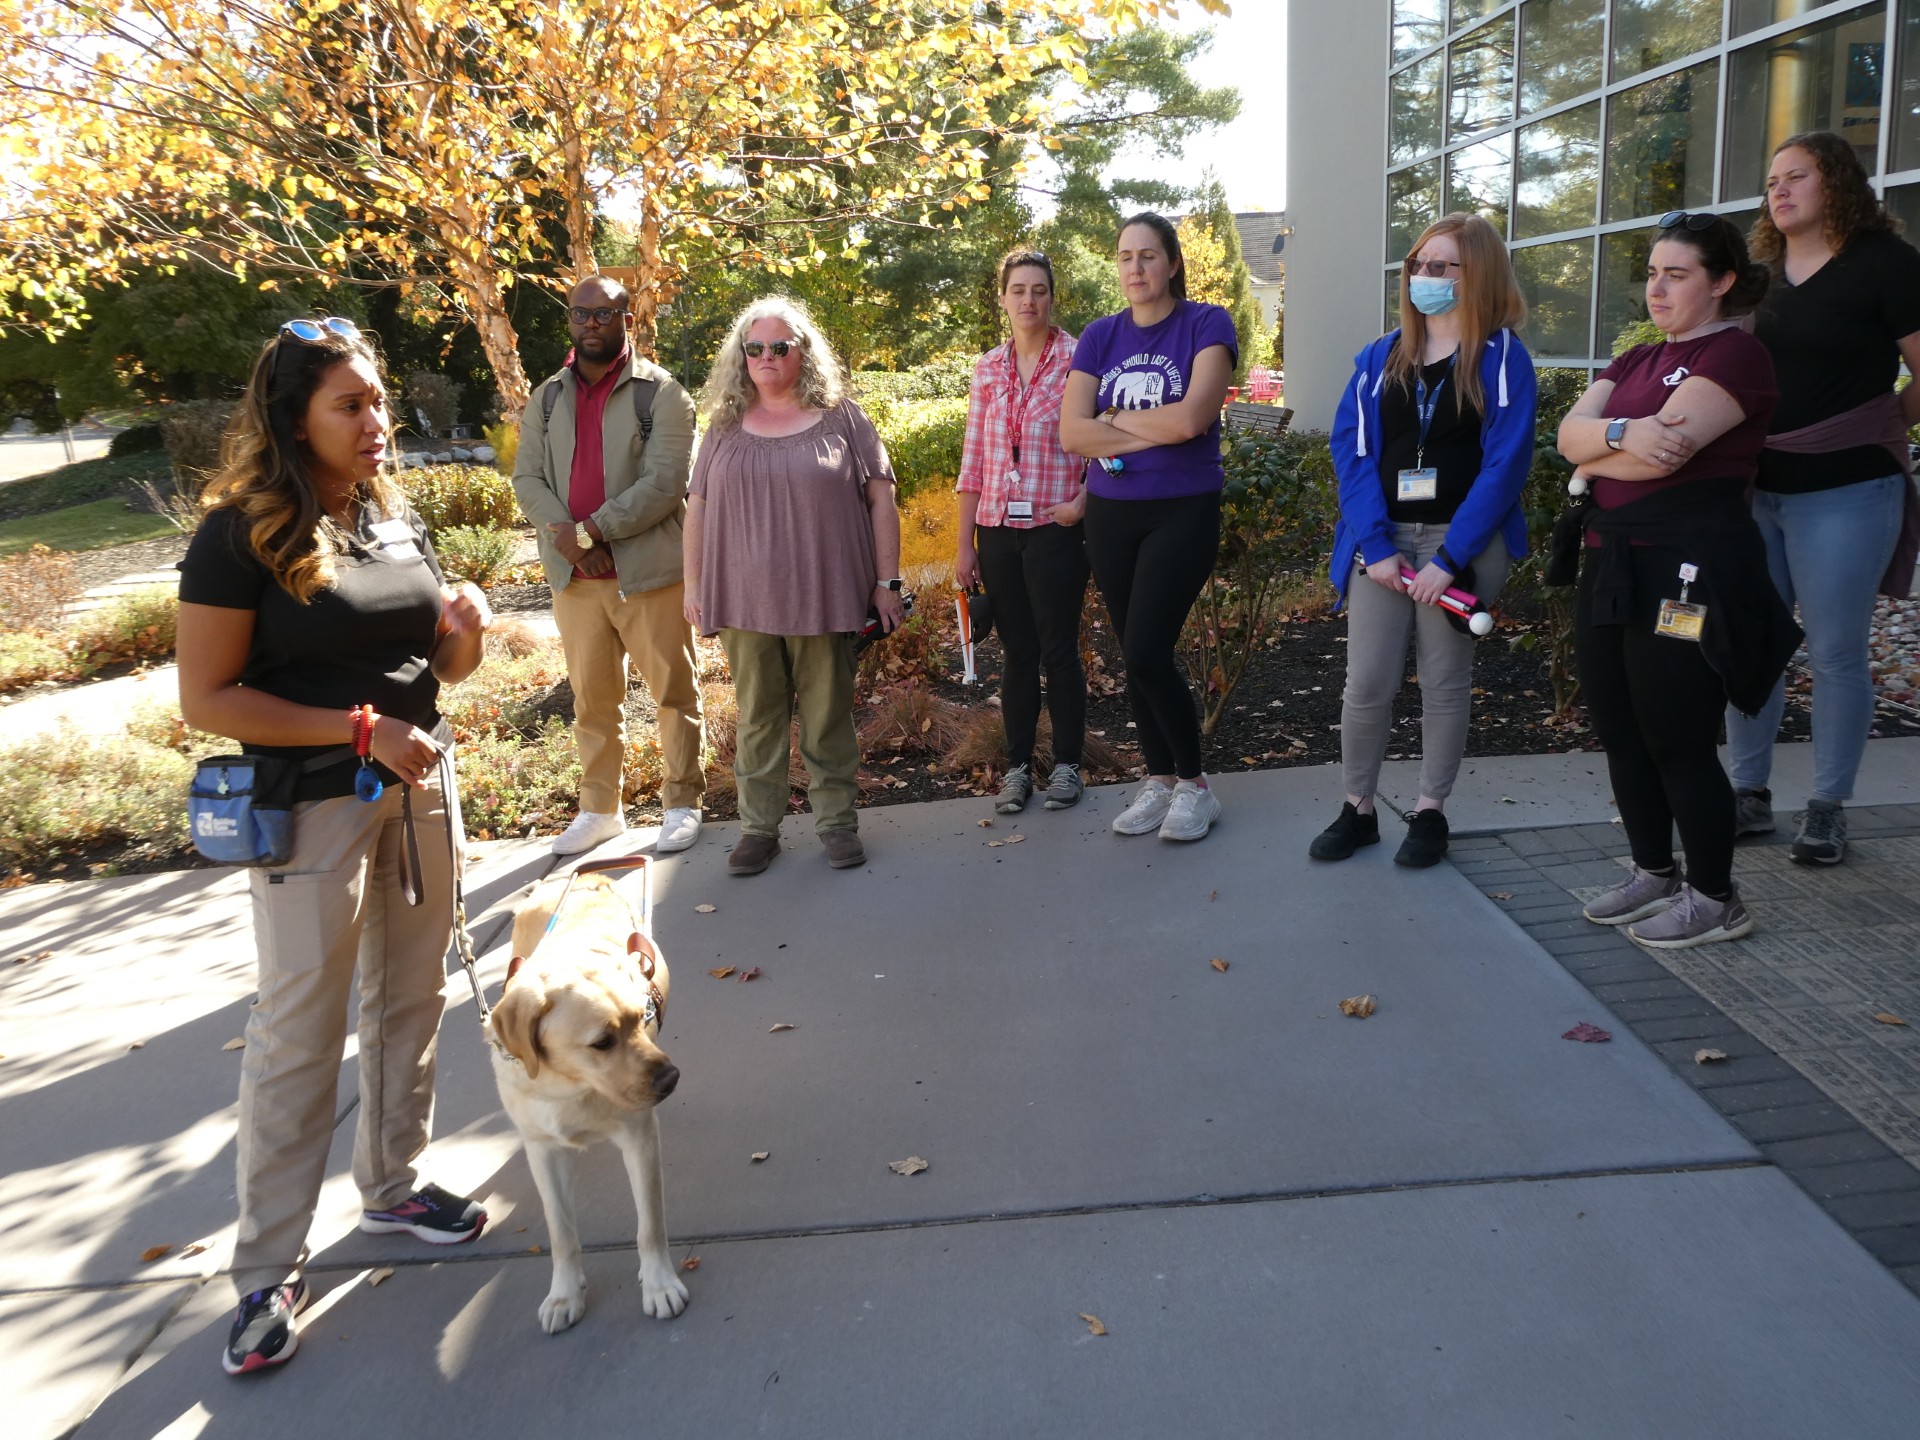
x=1422 y=482
x=1681 y=619
x=1019 y=508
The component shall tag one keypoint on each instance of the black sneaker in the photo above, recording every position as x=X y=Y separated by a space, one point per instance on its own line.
x=1752 y=812
x=430 y=1214
x=1426 y=841
x=1345 y=835
x=263 y=1330
x=1823 y=834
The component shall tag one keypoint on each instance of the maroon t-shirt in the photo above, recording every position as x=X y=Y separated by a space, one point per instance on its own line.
x=1645 y=378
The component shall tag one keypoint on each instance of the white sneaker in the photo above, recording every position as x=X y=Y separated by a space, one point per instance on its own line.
x=679 y=828
x=1191 y=813
x=1146 y=812
x=589 y=828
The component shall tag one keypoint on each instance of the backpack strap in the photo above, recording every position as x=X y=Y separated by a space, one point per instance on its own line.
x=549 y=397
x=643 y=393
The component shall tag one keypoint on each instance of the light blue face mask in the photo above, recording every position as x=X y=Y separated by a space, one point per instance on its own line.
x=1431 y=296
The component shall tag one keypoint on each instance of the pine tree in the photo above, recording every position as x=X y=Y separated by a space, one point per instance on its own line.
x=1211 y=207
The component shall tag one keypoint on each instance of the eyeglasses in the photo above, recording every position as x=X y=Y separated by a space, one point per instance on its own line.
x=778 y=347
x=599 y=314
x=313 y=332
x=1695 y=220
x=1435 y=268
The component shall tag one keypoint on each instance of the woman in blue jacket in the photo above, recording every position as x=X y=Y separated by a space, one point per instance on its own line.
x=1432 y=442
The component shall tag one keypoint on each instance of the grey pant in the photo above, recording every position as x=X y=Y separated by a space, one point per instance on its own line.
x=1377 y=626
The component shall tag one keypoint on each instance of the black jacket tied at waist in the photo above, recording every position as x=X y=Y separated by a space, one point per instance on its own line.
x=1749 y=634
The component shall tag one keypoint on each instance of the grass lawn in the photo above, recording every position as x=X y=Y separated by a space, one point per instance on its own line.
x=82 y=527
x=85 y=480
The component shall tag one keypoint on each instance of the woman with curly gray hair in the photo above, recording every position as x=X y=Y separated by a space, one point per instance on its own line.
x=792 y=537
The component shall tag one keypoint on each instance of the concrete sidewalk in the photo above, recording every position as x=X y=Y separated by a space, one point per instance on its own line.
x=1443 y=1220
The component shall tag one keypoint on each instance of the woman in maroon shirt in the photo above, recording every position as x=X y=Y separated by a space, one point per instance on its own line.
x=1668 y=437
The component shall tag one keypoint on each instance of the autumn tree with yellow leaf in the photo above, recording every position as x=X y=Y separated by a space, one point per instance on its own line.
x=446 y=145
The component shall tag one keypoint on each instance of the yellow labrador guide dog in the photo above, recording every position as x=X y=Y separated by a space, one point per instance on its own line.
x=575 y=1060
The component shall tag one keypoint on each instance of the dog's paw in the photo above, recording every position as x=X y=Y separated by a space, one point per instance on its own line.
x=562 y=1310
x=663 y=1294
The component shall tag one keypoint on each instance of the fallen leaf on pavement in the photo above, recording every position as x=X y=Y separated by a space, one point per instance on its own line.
x=138 y=1045
x=198 y=1247
x=760 y=1155
x=1015 y=839
x=1508 y=800
x=1707 y=1057
x=531 y=1250
x=237 y=1043
x=1358 y=1006
x=995 y=844
x=692 y=1262
x=1885 y=1019
x=384 y=1273
x=1213 y=894
x=29 y=959
x=153 y=1253
x=783 y=1025
x=1218 y=964
x=752 y=972
x=1587 y=1034
x=704 y=909
x=912 y=1165
x=721 y=973
x=984 y=824
x=1094 y=1327
x=1499 y=894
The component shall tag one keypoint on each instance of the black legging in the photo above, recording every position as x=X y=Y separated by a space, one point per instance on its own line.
x=1037 y=581
x=1656 y=705
x=1150 y=558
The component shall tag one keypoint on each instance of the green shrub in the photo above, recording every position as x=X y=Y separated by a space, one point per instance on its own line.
x=61 y=793
x=193 y=432
x=138 y=626
x=35 y=588
x=28 y=657
x=948 y=378
x=510 y=782
x=461 y=495
x=923 y=439
x=474 y=552
x=142 y=439
x=436 y=397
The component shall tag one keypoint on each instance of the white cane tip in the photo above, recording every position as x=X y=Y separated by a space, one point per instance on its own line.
x=1481 y=623
x=1577 y=485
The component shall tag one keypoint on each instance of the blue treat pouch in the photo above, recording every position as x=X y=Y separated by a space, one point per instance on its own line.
x=240 y=807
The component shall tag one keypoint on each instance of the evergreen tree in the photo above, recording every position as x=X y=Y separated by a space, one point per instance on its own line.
x=1212 y=209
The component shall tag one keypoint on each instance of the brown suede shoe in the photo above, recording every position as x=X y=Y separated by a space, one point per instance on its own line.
x=753 y=854
x=844 y=849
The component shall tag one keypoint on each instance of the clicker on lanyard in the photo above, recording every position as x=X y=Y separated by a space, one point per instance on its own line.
x=366 y=781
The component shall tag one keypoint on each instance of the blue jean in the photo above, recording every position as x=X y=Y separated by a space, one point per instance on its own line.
x=1826 y=552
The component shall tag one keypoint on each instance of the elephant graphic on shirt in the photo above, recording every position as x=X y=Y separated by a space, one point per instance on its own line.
x=1139 y=390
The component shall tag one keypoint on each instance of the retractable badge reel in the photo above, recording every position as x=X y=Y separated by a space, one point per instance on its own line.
x=1680 y=618
x=366 y=780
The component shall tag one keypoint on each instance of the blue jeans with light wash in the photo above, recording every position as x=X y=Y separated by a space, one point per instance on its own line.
x=1826 y=552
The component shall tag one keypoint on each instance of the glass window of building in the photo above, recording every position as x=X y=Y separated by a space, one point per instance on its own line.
x=1903 y=202
x=1465 y=12
x=1825 y=77
x=1391 y=310
x=1650 y=33
x=1417 y=25
x=1904 y=151
x=1660 y=144
x=1480 y=180
x=1560 y=51
x=1557 y=179
x=1623 y=286
x=1751 y=15
x=1413 y=110
x=1557 y=281
x=1413 y=203
x=1480 y=79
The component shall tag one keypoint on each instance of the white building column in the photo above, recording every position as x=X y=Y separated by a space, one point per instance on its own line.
x=1336 y=194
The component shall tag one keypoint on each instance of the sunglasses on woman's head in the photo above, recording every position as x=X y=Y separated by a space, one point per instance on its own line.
x=778 y=347
x=1693 y=219
x=1436 y=268
x=312 y=332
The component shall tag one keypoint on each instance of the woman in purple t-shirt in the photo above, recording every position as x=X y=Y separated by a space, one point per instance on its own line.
x=1668 y=437
x=1143 y=402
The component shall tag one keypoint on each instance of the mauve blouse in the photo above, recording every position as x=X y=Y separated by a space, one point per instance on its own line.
x=786 y=537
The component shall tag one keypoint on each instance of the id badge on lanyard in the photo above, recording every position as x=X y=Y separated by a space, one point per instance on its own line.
x=1018 y=506
x=1422 y=482
x=1680 y=619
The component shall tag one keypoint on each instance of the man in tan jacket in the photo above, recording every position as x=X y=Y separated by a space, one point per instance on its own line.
x=602 y=474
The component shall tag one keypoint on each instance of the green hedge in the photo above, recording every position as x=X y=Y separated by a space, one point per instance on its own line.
x=447 y=495
x=923 y=439
x=944 y=379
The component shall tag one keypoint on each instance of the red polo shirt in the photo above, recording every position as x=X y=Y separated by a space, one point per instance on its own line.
x=587 y=484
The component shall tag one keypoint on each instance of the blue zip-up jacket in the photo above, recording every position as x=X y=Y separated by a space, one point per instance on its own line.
x=1506 y=449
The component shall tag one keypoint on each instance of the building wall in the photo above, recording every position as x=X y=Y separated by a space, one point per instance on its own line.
x=1336 y=140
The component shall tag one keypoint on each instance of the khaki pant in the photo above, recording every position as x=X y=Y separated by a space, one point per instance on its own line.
x=599 y=630
x=333 y=911
x=773 y=675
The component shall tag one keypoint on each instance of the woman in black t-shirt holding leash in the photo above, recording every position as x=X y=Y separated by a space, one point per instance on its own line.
x=313 y=618
x=1835 y=500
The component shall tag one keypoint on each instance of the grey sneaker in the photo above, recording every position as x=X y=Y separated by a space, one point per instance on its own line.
x=1752 y=812
x=1064 y=787
x=1823 y=834
x=1192 y=812
x=1641 y=894
x=1014 y=791
x=1693 y=919
x=1146 y=812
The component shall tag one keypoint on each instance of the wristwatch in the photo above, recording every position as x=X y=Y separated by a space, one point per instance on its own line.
x=582 y=536
x=1616 y=432
x=894 y=584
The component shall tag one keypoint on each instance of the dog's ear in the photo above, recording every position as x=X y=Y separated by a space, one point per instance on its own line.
x=640 y=945
x=516 y=1023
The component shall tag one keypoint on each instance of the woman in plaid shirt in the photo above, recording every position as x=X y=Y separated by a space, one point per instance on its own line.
x=1021 y=500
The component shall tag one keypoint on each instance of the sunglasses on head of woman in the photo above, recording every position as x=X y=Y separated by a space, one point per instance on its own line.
x=780 y=348
x=313 y=332
x=1695 y=220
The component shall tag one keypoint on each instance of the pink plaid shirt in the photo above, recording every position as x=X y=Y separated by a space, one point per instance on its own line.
x=1012 y=429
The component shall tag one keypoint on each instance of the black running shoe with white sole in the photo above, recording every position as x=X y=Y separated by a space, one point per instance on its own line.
x=436 y=1216
x=264 y=1333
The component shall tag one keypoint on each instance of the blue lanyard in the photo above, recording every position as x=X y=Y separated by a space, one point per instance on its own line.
x=1427 y=406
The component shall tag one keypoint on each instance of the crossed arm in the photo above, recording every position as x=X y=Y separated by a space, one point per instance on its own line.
x=1124 y=432
x=1654 y=446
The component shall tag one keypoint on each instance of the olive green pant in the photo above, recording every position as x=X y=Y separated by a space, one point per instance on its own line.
x=773 y=677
